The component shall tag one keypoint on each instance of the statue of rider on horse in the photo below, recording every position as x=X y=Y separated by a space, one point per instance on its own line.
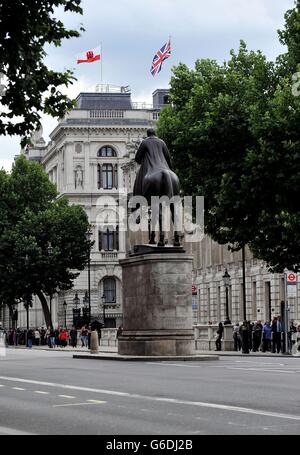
x=156 y=178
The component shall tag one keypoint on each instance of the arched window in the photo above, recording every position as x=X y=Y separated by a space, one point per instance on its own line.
x=106 y=152
x=109 y=290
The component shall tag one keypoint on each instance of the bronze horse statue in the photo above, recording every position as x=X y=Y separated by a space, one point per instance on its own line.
x=156 y=178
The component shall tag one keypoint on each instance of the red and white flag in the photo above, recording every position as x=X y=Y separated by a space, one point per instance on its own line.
x=91 y=56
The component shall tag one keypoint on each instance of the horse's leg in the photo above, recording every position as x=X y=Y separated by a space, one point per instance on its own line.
x=161 y=232
x=176 y=233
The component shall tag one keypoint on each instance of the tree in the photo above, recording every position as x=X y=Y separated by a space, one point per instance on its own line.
x=32 y=218
x=235 y=127
x=290 y=37
x=31 y=88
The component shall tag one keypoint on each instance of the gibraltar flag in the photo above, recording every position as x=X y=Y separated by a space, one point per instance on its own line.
x=90 y=56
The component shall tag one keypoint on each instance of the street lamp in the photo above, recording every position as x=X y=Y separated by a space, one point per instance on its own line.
x=103 y=305
x=226 y=279
x=50 y=253
x=76 y=311
x=65 y=308
x=76 y=300
x=86 y=308
x=88 y=237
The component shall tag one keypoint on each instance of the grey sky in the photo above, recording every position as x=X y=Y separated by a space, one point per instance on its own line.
x=132 y=30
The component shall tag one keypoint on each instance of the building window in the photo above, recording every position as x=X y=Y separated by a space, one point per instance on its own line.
x=109 y=239
x=109 y=290
x=106 y=152
x=107 y=176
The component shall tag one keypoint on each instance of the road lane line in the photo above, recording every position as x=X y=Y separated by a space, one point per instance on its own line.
x=261 y=363
x=274 y=370
x=79 y=404
x=40 y=392
x=173 y=365
x=69 y=397
x=15 y=432
x=201 y=404
x=19 y=389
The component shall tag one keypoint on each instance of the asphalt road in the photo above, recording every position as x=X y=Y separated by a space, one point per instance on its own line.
x=52 y=393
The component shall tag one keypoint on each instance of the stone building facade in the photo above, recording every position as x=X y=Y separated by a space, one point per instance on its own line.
x=90 y=159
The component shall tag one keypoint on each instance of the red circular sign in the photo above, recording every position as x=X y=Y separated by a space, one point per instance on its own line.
x=292 y=277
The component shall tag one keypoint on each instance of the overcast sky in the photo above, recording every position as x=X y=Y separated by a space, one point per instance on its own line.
x=131 y=31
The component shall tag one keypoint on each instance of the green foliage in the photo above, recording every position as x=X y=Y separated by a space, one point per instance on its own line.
x=235 y=126
x=32 y=218
x=290 y=37
x=32 y=88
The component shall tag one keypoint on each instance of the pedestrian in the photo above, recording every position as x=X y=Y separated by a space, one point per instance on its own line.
x=266 y=337
x=277 y=329
x=219 y=336
x=119 y=331
x=56 y=337
x=292 y=335
x=30 y=337
x=244 y=334
x=84 y=336
x=236 y=337
x=37 y=337
x=73 y=336
x=63 y=338
x=257 y=335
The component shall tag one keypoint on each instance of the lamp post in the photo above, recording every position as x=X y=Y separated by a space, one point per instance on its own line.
x=226 y=279
x=50 y=253
x=88 y=237
x=86 y=308
x=103 y=305
x=76 y=312
x=65 y=308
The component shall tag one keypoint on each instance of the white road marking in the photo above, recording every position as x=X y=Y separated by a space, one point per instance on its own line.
x=40 y=392
x=278 y=415
x=260 y=363
x=18 y=388
x=2 y=385
x=173 y=365
x=87 y=403
x=69 y=397
x=273 y=370
x=14 y=432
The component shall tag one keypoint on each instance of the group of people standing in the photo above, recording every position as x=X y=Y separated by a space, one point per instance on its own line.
x=60 y=337
x=53 y=337
x=256 y=336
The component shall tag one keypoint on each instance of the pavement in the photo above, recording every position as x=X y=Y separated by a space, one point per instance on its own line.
x=113 y=352
x=48 y=392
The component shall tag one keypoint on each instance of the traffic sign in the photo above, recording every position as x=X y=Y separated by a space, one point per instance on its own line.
x=194 y=289
x=291 y=278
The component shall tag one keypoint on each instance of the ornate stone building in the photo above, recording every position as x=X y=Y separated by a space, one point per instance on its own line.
x=90 y=159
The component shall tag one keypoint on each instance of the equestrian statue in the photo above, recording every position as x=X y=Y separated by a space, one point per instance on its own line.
x=156 y=178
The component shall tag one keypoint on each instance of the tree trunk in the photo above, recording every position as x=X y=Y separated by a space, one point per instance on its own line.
x=45 y=308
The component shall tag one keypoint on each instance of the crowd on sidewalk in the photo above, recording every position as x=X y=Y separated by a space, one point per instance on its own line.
x=53 y=338
x=257 y=336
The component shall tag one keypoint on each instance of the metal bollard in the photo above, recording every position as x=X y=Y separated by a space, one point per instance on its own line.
x=94 y=342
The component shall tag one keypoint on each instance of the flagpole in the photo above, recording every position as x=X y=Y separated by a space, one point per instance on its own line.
x=101 y=61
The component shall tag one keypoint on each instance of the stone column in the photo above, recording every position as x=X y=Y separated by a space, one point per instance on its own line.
x=157 y=305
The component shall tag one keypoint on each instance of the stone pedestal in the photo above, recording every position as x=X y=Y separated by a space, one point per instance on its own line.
x=157 y=304
x=94 y=342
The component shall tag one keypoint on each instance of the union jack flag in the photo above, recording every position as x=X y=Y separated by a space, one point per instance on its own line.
x=160 y=56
